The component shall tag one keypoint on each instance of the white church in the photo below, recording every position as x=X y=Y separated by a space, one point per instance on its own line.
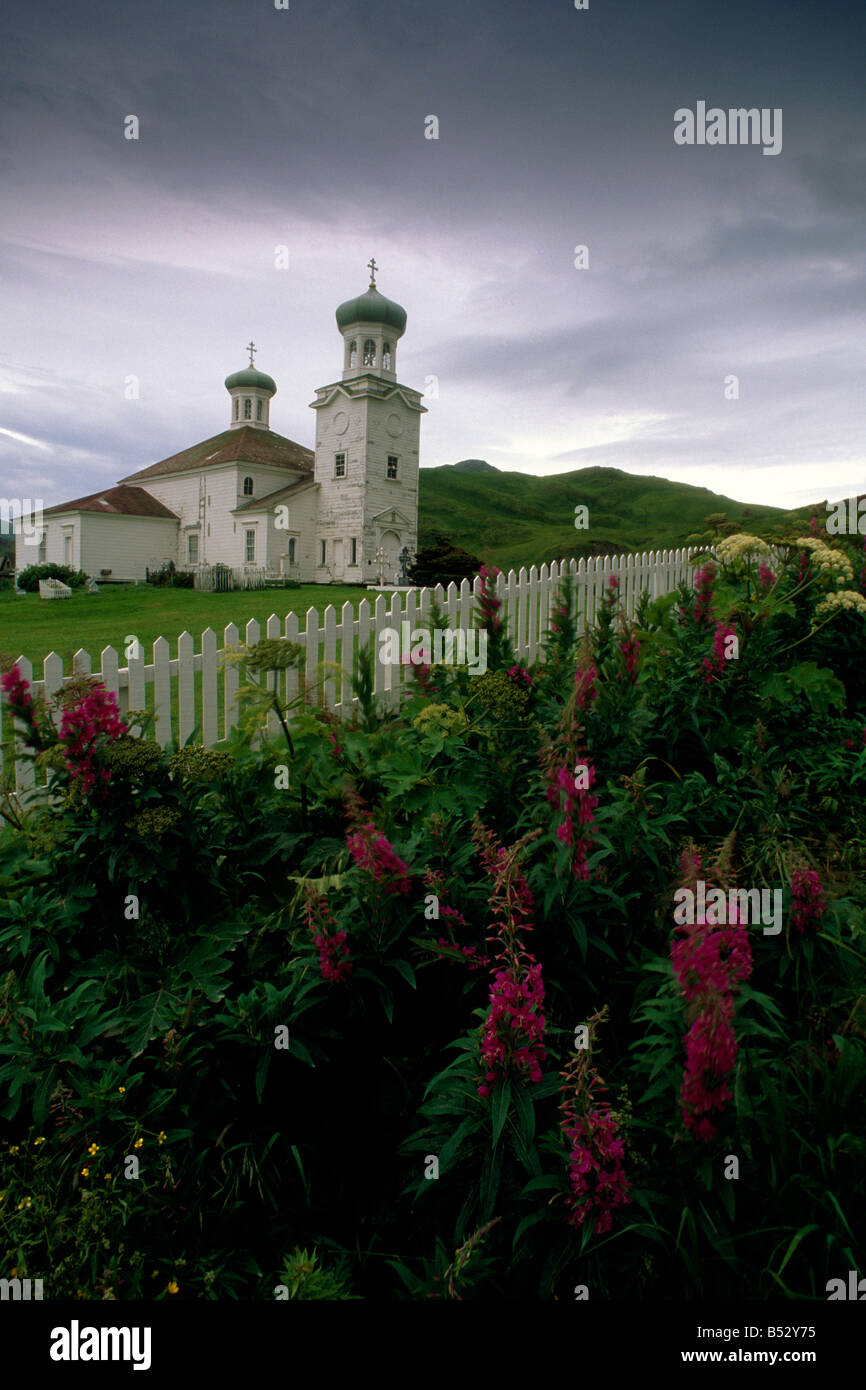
x=252 y=499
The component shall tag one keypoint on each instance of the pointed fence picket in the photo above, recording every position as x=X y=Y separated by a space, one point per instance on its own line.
x=196 y=693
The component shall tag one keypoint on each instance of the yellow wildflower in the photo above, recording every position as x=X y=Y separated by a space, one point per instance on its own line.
x=172 y=1286
x=161 y=1137
x=85 y=1172
x=40 y=1140
x=138 y=1143
x=93 y=1150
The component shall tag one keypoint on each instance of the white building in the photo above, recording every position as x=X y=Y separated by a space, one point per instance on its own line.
x=251 y=497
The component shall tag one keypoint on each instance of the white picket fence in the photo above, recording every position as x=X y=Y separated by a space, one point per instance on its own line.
x=194 y=681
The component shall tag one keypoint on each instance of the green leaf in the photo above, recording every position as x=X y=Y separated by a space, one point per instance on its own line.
x=262 y=1071
x=524 y=1116
x=795 y=1241
x=404 y=968
x=547 y=1182
x=499 y=1107
x=300 y=1051
x=531 y=1220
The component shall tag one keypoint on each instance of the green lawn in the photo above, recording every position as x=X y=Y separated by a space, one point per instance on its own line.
x=33 y=627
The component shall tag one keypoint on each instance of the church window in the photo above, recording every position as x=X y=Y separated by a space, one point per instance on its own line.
x=237 y=404
x=353 y=353
x=248 y=408
x=392 y=465
x=322 y=551
x=339 y=465
x=369 y=353
x=192 y=548
x=354 y=551
x=258 y=410
x=291 y=550
x=386 y=356
x=42 y=549
x=248 y=487
x=250 y=547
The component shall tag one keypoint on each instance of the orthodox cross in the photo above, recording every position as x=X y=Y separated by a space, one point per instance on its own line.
x=252 y=350
x=372 y=267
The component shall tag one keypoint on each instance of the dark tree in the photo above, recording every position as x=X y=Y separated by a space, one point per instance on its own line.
x=442 y=563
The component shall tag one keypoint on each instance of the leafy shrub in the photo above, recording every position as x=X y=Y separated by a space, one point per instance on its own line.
x=402 y=994
x=29 y=578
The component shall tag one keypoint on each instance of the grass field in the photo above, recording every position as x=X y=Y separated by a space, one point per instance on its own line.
x=32 y=627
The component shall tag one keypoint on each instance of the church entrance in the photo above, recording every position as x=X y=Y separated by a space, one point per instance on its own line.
x=339 y=573
x=391 y=545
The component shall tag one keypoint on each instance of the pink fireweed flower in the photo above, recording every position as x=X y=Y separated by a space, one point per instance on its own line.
x=576 y=803
x=586 y=687
x=373 y=853
x=489 y=602
x=808 y=905
x=705 y=578
x=596 y=1174
x=711 y=1051
x=81 y=727
x=17 y=692
x=598 y=1181
x=511 y=1037
x=715 y=665
x=630 y=651
x=520 y=676
x=709 y=962
x=766 y=577
x=336 y=750
x=334 y=963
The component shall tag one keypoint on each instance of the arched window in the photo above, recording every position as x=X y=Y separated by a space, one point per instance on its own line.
x=248 y=487
x=237 y=404
x=248 y=408
x=386 y=356
x=258 y=410
x=369 y=353
x=353 y=353
x=291 y=550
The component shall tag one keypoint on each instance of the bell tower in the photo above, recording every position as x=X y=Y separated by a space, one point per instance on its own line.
x=367 y=435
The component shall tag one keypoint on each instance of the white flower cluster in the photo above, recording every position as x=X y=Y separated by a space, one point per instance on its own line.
x=733 y=547
x=826 y=560
x=842 y=598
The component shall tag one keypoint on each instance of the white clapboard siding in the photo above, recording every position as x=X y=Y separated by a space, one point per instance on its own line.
x=184 y=690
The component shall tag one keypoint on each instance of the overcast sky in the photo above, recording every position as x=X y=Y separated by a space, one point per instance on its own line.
x=306 y=128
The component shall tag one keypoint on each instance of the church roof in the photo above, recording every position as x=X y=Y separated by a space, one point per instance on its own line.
x=244 y=445
x=372 y=307
x=251 y=376
x=257 y=504
x=116 y=501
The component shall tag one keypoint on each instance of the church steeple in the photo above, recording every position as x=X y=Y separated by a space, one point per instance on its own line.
x=370 y=325
x=251 y=392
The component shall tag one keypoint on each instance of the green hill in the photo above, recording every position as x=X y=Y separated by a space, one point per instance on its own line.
x=516 y=519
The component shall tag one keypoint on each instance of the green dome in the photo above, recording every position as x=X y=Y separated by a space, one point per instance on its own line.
x=372 y=307
x=251 y=376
